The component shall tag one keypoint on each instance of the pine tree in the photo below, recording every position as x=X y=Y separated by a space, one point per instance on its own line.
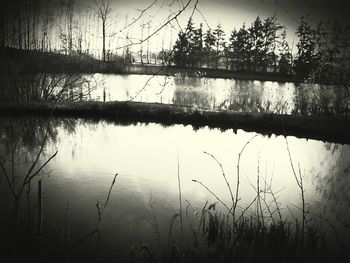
x=219 y=41
x=285 y=59
x=209 y=43
x=240 y=48
x=197 y=48
x=183 y=55
x=257 y=42
x=306 y=60
x=271 y=36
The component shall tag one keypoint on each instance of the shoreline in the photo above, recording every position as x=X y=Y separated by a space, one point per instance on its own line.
x=31 y=61
x=308 y=127
x=206 y=72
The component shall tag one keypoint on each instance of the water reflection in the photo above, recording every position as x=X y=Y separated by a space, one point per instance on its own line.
x=145 y=156
x=27 y=87
x=332 y=187
x=321 y=99
x=237 y=95
x=223 y=94
x=30 y=132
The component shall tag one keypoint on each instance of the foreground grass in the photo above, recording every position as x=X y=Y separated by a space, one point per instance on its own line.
x=213 y=239
x=249 y=241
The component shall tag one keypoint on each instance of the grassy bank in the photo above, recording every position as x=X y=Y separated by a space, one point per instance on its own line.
x=319 y=128
x=31 y=61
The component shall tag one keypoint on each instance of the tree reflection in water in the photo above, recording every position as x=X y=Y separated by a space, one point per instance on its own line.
x=28 y=87
x=313 y=99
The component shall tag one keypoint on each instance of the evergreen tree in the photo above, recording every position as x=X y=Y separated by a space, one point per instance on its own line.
x=263 y=37
x=332 y=46
x=181 y=50
x=184 y=54
x=257 y=43
x=306 y=60
x=197 y=47
x=219 y=41
x=285 y=54
x=271 y=36
x=227 y=54
x=240 y=48
x=209 y=43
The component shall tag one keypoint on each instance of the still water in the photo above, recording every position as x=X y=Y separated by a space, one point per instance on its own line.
x=223 y=94
x=227 y=94
x=149 y=158
x=202 y=92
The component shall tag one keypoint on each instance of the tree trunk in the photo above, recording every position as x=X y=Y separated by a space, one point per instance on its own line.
x=104 y=39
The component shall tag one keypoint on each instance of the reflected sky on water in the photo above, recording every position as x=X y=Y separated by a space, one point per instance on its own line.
x=239 y=95
x=146 y=158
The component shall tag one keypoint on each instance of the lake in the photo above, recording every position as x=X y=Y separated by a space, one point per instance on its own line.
x=224 y=94
x=149 y=159
x=152 y=161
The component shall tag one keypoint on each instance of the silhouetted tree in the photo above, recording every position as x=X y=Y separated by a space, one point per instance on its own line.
x=285 y=60
x=184 y=48
x=219 y=41
x=209 y=42
x=332 y=47
x=240 y=47
x=181 y=50
x=103 y=11
x=271 y=35
x=306 y=60
x=263 y=36
x=197 y=46
x=257 y=43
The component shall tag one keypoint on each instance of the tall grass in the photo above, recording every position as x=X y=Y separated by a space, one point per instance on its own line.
x=255 y=233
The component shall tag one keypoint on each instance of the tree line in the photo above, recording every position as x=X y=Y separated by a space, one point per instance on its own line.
x=322 y=51
x=64 y=26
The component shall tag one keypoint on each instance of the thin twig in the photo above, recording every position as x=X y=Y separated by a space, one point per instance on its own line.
x=210 y=191
x=238 y=173
x=179 y=185
x=224 y=175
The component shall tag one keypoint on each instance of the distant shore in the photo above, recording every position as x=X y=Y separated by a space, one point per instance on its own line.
x=206 y=72
x=318 y=128
x=24 y=61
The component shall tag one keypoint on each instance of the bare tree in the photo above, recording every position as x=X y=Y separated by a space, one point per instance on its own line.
x=103 y=11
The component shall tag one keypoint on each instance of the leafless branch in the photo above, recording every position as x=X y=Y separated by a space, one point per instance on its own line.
x=12 y=187
x=142 y=12
x=163 y=25
x=170 y=53
x=238 y=172
x=210 y=191
x=224 y=175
